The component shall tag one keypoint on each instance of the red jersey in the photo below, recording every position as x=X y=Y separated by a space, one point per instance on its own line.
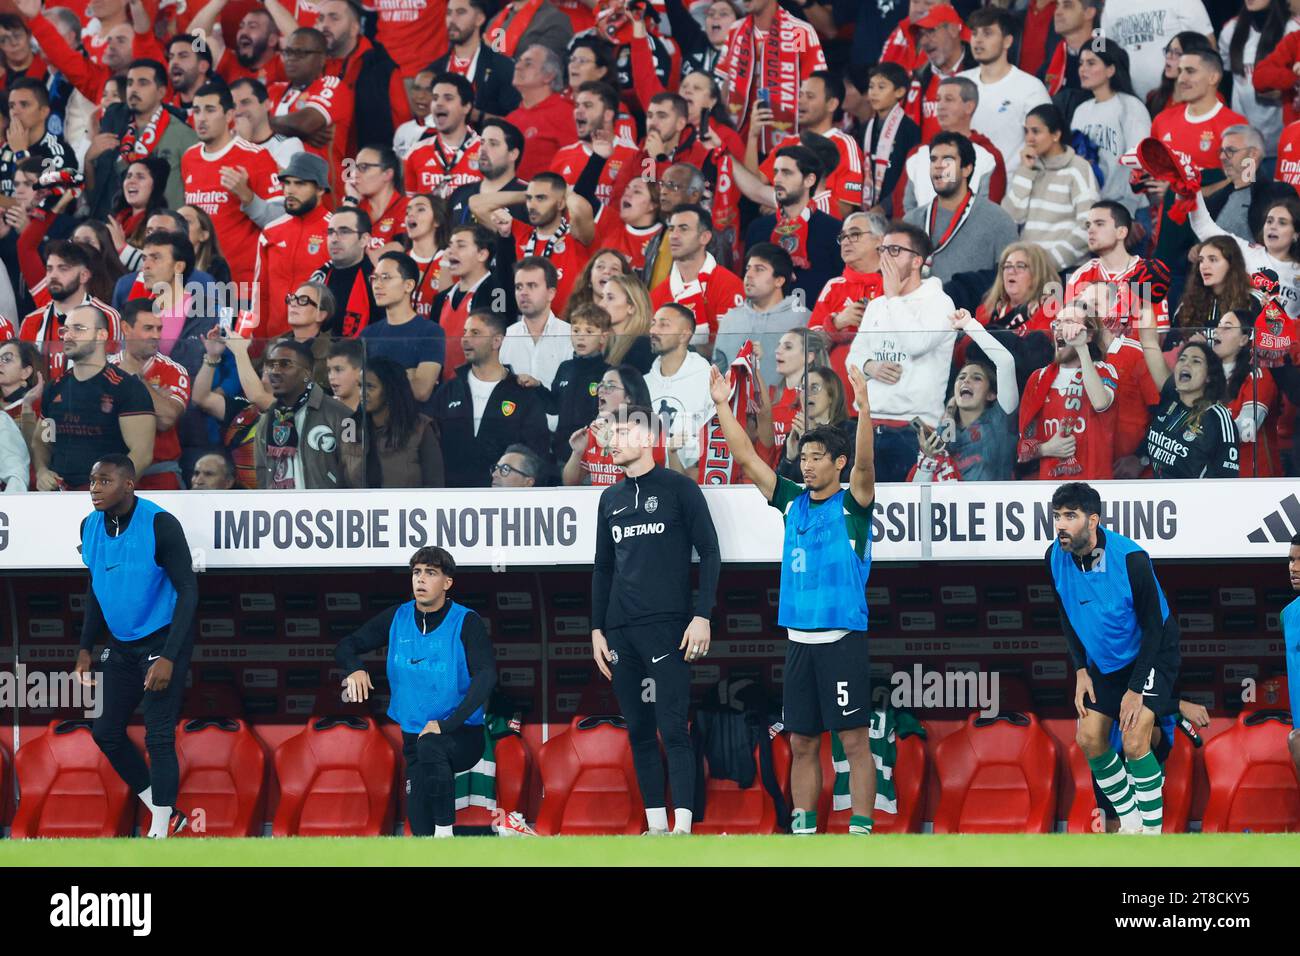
x=455 y=310
x=715 y=291
x=1033 y=38
x=333 y=99
x=849 y=287
x=412 y=31
x=1195 y=140
x=236 y=233
x=288 y=252
x=426 y=290
x=566 y=253
x=1288 y=155
x=571 y=160
x=7 y=330
x=633 y=241
x=901 y=48
x=845 y=183
x=172 y=379
x=434 y=167
x=1134 y=396
x=1054 y=396
x=230 y=69
x=388 y=224
x=598 y=464
x=784 y=410
x=1263 y=459
x=546 y=127
x=1128 y=284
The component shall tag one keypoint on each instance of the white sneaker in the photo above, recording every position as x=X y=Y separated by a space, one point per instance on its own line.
x=655 y=831
x=514 y=825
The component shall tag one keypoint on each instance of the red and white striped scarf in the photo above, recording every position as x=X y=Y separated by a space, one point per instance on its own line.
x=717 y=464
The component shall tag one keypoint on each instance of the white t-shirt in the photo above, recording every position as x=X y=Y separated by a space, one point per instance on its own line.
x=1144 y=27
x=1002 y=109
x=1115 y=127
x=480 y=392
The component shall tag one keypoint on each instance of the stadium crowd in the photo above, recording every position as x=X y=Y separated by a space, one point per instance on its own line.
x=442 y=243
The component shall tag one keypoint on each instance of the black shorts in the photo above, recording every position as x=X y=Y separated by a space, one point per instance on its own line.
x=1157 y=686
x=827 y=686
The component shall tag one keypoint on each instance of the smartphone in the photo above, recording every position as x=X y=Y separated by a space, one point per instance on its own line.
x=764 y=96
x=226 y=321
x=704 y=127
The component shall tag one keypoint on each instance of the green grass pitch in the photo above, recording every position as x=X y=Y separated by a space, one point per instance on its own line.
x=1238 y=849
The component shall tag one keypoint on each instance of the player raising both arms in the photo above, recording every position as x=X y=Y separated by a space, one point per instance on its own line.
x=825 y=564
x=1123 y=642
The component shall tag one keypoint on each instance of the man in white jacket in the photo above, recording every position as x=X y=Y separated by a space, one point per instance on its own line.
x=904 y=345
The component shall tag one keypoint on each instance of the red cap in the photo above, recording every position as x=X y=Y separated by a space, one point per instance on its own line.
x=939 y=14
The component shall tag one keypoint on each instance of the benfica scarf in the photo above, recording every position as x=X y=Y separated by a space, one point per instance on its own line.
x=792 y=236
x=878 y=159
x=505 y=39
x=726 y=203
x=137 y=143
x=939 y=468
x=356 y=311
x=553 y=244
x=282 y=441
x=958 y=220
x=1054 y=79
x=717 y=464
x=780 y=61
x=1275 y=334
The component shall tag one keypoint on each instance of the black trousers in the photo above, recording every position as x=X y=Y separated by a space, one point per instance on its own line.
x=123 y=666
x=652 y=683
x=432 y=762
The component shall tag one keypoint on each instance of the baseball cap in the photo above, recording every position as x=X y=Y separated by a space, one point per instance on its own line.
x=942 y=13
x=308 y=167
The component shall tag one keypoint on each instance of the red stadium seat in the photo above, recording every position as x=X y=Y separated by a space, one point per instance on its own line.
x=731 y=809
x=336 y=779
x=589 y=784
x=513 y=760
x=1084 y=817
x=909 y=776
x=223 y=775
x=1252 y=779
x=68 y=788
x=996 y=775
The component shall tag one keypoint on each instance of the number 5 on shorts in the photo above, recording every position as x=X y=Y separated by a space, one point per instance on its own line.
x=842 y=693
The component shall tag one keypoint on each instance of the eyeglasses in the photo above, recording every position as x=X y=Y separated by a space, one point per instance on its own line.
x=365 y=166
x=1231 y=151
x=79 y=329
x=303 y=300
x=9 y=358
x=1015 y=267
x=609 y=387
x=844 y=237
x=382 y=277
x=582 y=61
x=505 y=471
x=297 y=53
x=12 y=39
x=281 y=365
x=895 y=251
x=342 y=232
x=673 y=187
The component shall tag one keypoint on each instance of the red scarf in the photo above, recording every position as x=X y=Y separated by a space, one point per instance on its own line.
x=726 y=203
x=780 y=62
x=1055 y=76
x=717 y=465
x=505 y=39
x=139 y=143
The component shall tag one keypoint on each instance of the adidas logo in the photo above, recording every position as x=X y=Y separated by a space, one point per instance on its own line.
x=1275 y=528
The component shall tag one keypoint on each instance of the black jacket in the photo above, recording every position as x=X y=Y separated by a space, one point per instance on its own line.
x=572 y=396
x=1263 y=193
x=374 y=126
x=469 y=458
x=823 y=252
x=107 y=167
x=493 y=79
x=486 y=296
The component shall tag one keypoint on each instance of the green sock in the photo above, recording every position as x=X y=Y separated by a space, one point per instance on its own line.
x=803 y=822
x=1108 y=770
x=860 y=825
x=1149 y=779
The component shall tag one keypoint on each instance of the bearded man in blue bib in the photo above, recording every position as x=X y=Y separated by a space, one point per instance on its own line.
x=1124 y=644
x=441 y=672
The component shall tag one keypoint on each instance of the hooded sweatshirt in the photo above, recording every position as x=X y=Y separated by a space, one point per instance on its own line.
x=912 y=330
x=744 y=322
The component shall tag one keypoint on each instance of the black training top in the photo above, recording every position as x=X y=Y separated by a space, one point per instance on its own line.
x=645 y=529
